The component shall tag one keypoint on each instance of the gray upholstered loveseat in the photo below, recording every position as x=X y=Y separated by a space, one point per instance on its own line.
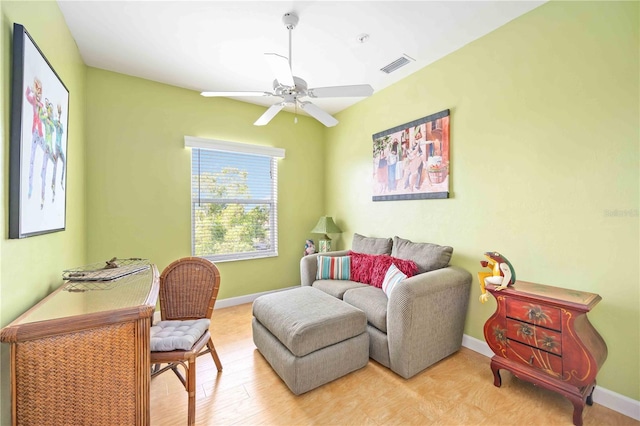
x=422 y=320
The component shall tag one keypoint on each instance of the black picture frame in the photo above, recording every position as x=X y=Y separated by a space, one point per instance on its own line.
x=411 y=161
x=39 y=142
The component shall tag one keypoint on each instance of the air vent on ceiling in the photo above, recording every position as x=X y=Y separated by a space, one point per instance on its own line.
x=398 y=63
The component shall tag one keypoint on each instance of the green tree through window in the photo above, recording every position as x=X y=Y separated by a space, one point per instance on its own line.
x=234 y=205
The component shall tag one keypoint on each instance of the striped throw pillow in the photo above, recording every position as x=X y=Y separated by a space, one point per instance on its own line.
x=334 y=268
x=391 y=279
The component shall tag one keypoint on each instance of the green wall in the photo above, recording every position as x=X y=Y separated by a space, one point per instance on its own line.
x=545 y=159
x=138 y=175
x=31 y=268
x=544 y=163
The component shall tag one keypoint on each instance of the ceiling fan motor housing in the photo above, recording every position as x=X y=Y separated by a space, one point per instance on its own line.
x=299 y=90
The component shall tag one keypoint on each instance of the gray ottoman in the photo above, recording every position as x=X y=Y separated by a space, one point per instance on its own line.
x=309 y=337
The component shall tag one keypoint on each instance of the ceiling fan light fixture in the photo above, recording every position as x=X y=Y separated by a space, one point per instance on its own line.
x=292 y=89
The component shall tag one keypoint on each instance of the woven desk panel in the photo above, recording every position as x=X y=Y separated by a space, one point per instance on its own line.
x=88 y=378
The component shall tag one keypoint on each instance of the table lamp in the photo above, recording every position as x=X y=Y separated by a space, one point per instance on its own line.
x=325 y=226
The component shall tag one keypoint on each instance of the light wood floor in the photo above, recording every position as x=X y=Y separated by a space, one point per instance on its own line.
x=456 y=391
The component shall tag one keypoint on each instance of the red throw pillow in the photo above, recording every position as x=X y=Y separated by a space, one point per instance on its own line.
x=361 y=267
x=384 y=261
x=371 y=269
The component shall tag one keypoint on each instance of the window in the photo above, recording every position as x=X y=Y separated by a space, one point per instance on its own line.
x=234 y=199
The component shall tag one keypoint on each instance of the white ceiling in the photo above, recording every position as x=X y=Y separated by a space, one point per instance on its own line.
x=219 y=45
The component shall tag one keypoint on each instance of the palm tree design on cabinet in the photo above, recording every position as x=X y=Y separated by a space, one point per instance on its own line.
x=529 y=337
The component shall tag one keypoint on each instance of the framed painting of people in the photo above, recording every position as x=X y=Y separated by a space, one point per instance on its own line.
x=411 y=161
x=38 y=145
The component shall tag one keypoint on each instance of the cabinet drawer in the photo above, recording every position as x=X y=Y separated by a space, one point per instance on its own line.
x=549 y=363
x=534 y=313
x=547 y=340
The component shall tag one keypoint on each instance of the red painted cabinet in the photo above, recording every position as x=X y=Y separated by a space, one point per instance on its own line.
x=542 y=334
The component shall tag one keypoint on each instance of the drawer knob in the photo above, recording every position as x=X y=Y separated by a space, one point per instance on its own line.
x=531 y=360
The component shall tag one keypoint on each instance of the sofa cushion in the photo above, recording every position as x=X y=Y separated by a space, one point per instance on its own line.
x=391 y=279
x=373 y=302
x=370 y=245
x=336 y=288
x=382 y=264
x=334 y=268
x=428 y=257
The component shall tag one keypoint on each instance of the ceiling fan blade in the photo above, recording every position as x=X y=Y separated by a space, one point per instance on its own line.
x=319 y=114
x=281 y=69
x=341 y=91
x=269 y=114
x=214 y=94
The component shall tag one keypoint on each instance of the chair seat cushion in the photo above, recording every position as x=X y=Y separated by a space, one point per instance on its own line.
x=177 y=335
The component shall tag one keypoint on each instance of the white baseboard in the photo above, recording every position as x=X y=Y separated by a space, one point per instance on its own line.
x=476 y=345
x=620 y=403
x=232 y=301
x=615 y=401
x=241 y=300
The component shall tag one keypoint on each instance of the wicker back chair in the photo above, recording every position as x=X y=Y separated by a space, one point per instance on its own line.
x=188 y=291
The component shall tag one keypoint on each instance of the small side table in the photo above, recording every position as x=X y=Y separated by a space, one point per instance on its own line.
x=542 y=335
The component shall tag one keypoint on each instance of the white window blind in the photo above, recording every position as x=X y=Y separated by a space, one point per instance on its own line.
x=234 y=199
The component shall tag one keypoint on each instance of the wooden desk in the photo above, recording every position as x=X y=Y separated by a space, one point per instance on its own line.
x=542 y=335
x=82 y=356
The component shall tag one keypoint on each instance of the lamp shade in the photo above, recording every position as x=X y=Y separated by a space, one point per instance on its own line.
x=326 y=225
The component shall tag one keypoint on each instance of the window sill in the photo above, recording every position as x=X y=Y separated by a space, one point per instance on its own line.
x=236 y=257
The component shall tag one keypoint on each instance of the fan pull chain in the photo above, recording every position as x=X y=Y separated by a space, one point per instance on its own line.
x=295 y=117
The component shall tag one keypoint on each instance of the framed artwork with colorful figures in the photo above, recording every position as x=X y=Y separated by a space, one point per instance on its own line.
x=411 y=161
x=38 y=147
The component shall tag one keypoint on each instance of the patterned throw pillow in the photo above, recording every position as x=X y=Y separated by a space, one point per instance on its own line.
x=361 y=267
x=382 y=264
x=334 y=268
x=391 y=279
x=371 y=269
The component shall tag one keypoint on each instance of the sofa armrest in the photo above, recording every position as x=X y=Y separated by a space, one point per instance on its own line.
x=425 y=318
x=309 y=265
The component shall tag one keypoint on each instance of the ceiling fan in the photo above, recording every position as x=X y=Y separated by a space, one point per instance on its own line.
x=292 y=88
